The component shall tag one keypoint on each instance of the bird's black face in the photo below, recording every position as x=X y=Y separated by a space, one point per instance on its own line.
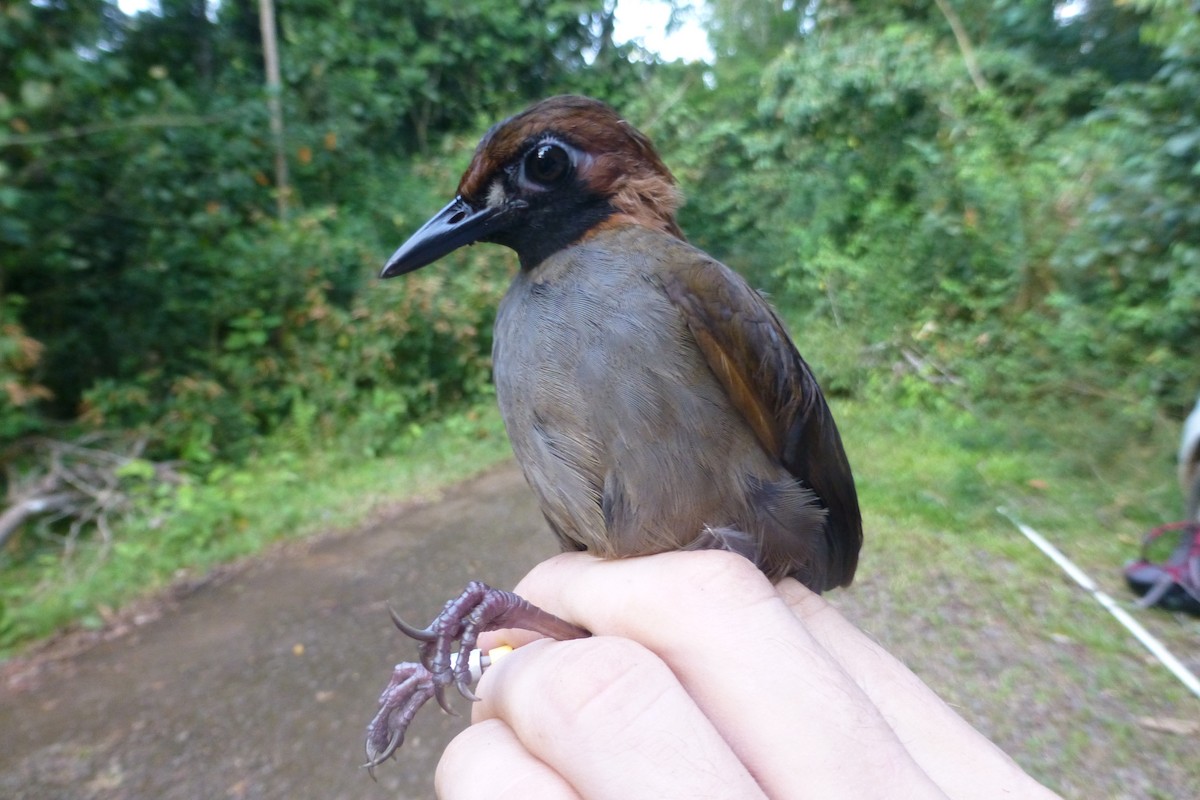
x=536 y=204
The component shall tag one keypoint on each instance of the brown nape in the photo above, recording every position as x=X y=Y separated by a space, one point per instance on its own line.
x=624 y=166
x=648 y=201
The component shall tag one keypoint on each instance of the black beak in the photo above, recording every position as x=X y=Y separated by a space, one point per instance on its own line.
x=455 y=225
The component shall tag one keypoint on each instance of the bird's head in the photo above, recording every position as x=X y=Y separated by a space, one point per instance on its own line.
x=546 y=178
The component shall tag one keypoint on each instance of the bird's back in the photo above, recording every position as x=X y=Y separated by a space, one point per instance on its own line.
x=628 y=439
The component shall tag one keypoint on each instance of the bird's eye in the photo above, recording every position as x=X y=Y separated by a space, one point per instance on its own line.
x=547 y=164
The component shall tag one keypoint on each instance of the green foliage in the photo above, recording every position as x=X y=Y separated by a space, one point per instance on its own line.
x=136 y=208
x=1133 y=266
x=389 y=82
x=19 y=357
x=298 y=343
x=119 y=188
x=1026 y=234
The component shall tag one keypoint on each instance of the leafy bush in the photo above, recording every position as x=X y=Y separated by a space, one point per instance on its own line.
x=19 y=357
x=303 y=336
x=994 y=242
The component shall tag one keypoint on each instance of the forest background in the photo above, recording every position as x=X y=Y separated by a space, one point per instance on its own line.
x=981 y=219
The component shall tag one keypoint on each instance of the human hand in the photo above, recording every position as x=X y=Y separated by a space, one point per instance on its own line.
x=704 y=680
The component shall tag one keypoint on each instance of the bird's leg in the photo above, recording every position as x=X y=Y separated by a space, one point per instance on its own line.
x=478 y=609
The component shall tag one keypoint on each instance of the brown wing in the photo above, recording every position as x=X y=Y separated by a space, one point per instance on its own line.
x=752 y=355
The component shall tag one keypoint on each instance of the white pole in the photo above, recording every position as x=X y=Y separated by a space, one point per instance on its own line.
x=1079 y=576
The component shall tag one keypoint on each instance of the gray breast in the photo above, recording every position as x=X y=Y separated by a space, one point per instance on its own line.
x=622 y=430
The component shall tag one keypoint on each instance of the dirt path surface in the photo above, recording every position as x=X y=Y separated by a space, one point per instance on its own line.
x=259 y=683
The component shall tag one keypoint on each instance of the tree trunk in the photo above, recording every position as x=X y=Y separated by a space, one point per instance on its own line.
x=266 y=16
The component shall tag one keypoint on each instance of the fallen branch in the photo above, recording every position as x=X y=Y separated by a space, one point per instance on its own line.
x=929 y=369
x=16 y=514
x=87 y=485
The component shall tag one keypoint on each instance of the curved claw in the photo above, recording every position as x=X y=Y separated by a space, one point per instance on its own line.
x=440 y=694
x=420 y=634
x=375 y=759
x=465 y=690
x=462 y=672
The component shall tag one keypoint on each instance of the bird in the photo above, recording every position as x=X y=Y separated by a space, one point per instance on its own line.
x=653 y=399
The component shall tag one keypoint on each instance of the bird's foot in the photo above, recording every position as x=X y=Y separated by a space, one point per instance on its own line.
x=410 y=688
x=478 y=609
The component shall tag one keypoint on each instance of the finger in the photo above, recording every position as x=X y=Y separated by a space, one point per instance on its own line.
x=958 y=758
x=612 y=720
x=510 y=637
x=518 y=637
x=487 y=760
x=787 y=709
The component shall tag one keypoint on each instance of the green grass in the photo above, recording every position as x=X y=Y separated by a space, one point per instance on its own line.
x=930 y=488
x=995 y=627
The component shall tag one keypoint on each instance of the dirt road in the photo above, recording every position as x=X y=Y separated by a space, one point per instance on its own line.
x=260 y=686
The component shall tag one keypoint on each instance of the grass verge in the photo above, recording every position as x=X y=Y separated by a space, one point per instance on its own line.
x=1029 y=658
